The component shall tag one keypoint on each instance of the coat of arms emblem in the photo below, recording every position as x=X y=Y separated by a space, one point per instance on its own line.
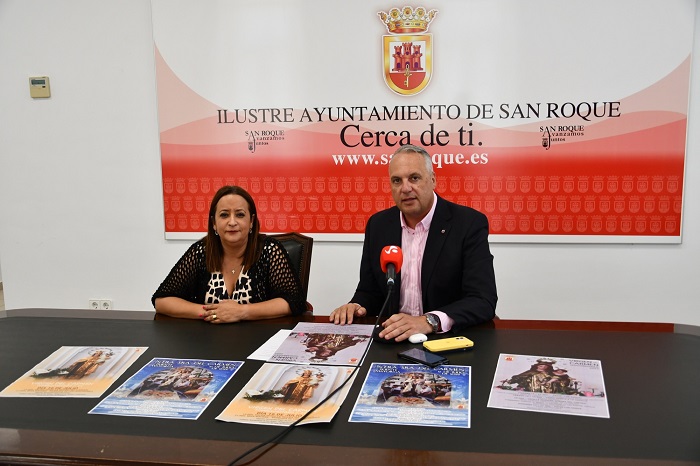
x=408 y=49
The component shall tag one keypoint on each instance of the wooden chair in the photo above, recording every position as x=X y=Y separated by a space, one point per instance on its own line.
x=299 y=248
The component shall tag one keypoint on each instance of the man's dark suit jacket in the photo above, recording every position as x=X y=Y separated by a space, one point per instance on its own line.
x=457 y=274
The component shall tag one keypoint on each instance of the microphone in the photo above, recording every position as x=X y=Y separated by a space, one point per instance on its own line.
x=390 y=261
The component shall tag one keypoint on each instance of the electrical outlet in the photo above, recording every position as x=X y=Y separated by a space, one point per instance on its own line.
x=106 y=304
x=94 y=304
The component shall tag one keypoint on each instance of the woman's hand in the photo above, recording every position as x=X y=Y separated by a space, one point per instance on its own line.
x=224 y=312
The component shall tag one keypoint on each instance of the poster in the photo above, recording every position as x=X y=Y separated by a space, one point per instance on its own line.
x=169 y=388
x=75 y=372
x=280 y=394
x=549 y=385
x=573 y=132
x=413 y=394
x=330 y=344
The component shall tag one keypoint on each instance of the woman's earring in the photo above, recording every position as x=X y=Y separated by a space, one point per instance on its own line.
x=216 y=233
x=250 y=231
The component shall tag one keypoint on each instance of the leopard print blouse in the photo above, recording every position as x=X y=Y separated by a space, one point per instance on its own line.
x=271 y=277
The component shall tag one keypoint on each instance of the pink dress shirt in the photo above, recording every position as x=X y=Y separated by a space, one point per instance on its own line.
x=413 y=245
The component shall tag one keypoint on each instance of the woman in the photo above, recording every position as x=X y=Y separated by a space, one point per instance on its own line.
x=234 y=273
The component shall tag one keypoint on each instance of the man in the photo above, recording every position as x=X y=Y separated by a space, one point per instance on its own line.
x=447 y=280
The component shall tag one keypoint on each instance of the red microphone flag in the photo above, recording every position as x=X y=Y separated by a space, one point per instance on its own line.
x=391 y=255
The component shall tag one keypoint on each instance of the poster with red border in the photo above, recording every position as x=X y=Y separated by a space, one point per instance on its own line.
x=560 y=123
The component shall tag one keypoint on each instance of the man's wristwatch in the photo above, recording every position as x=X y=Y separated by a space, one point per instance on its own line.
x=433 y=321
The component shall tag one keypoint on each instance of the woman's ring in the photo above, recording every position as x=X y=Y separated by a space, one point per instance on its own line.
x=213 y=317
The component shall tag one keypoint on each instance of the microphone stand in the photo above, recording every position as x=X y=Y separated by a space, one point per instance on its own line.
x=375 y=331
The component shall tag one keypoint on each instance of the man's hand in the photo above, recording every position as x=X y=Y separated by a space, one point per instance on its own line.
x=345 y=313
x=401 y=326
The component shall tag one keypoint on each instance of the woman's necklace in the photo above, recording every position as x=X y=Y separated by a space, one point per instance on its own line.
x=236 y=265
x=237 y=270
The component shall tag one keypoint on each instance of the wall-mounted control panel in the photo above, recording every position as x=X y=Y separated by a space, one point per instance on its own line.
x=39 y=87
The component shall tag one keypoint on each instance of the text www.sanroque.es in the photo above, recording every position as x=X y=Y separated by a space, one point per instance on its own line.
x=439 y=159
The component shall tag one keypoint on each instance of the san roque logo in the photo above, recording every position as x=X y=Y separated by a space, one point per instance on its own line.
x=408 y=49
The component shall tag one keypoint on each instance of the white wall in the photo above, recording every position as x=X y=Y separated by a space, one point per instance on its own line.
x=81 y=204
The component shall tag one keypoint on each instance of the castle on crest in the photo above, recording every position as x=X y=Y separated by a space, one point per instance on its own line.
x=407 y=57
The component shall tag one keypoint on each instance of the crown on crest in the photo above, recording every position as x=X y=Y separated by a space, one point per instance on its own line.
x=407 y=20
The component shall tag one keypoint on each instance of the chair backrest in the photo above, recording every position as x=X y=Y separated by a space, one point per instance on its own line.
x=299 y=248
